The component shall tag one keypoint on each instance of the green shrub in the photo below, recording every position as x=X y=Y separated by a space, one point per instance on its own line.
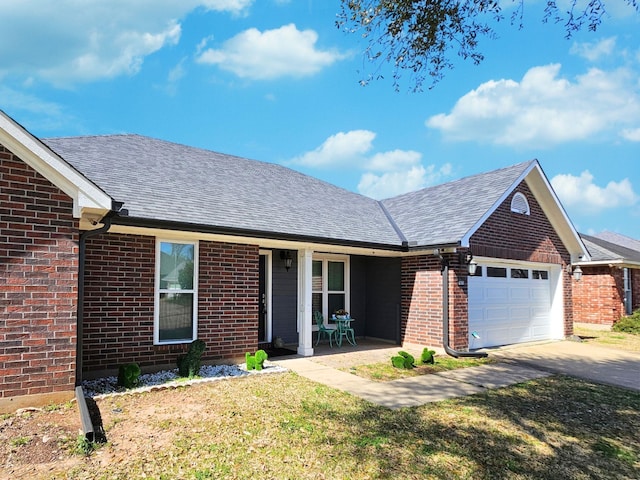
x=630 y=324
x=403 y=360
x=84 y=446
x=189 y=364
x=128 y=375
x=428 y=356
x=256 y=362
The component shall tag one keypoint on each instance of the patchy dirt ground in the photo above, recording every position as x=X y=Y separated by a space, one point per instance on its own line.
x=37 y=442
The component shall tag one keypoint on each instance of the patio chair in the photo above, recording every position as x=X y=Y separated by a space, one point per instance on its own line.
x=319 y=318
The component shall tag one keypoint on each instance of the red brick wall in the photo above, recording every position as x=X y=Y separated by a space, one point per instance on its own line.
x=519 y=237
x=528 y=238
x=503 y=235
x=38 y=278
x=422 y=307
x=118 y=305
x=598 y=298
x=119 y=302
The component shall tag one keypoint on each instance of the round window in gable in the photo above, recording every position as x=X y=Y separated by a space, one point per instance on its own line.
x=519 y=204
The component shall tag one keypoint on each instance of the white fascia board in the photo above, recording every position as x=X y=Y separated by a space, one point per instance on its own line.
x=85 y=194
x=618 y=262
x=555 y=212
x=464 y=242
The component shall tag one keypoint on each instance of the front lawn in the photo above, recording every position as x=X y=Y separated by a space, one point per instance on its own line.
x=607 y=338
x=385 y=372
x=283 y=426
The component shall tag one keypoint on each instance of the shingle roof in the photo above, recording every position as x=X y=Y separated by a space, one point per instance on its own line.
x=603 y=251
x=444 y=214
x=166 y=181
x=619 y=239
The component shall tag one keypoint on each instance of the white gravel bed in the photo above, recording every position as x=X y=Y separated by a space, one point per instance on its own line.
x=102 y=387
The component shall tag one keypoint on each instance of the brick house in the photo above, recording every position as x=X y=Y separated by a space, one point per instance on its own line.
x=124 y=248
x=610 y=284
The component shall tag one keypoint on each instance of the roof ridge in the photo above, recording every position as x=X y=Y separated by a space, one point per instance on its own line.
x=393 y=223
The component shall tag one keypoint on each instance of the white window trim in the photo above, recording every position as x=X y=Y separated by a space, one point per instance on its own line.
x=156 y=293
x=325 y=258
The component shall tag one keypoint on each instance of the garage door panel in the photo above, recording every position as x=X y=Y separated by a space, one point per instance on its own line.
x=517 y=334
x=496 y=293
x=540 y=294
x=495 y=335
x=509 y=310
x=522 y=314
x=540 y=332
x=496 y=315
x=520 y=293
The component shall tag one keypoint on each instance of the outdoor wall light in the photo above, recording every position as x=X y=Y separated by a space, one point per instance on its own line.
x=467 y=259
x=286 y=256
x=576 y=272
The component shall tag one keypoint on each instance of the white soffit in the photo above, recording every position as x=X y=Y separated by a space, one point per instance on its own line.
x=85 y=194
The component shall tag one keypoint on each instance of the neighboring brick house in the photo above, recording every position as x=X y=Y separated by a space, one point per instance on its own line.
x=610 y=284
x=123 y=248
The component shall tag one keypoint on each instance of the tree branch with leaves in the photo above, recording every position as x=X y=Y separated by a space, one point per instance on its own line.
x=422 y=37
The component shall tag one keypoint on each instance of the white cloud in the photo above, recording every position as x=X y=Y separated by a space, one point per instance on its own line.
x=386 y=173
x=38 y=113
x=393 y=160
x=594 y=51
x=340 y=149
x=543 y=109
x=234 y=6
x=394 y=183
x=64 y=43
x=631 y=134
x=582 y=194
x=285 y=51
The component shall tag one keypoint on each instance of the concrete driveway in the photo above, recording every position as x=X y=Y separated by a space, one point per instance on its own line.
x=598 y=364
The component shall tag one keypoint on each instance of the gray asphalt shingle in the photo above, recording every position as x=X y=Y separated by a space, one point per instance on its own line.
x=168 y=182
x=444 y=214
x=602 y=250
x=165 y=181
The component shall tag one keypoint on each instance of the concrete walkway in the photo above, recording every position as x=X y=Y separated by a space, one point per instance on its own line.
x=516 y=365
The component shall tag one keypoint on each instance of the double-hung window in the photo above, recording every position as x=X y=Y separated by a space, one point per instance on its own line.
x=330 y=284
x=176 y=295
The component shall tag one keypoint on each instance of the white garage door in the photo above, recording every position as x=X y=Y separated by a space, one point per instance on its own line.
x=509 y=304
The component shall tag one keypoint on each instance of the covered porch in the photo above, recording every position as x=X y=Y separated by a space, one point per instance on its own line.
x=295 y=284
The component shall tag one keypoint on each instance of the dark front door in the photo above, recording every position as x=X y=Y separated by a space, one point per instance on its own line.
x=262 y=299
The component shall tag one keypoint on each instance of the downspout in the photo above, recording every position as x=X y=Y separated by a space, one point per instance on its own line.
x=445 y=316
x=106 y=224
x=85 y=416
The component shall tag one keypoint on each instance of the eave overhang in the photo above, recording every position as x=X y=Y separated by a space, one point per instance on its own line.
x=89 y=201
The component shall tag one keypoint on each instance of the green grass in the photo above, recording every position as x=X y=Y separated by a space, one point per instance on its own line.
x=610 y=339
x=19 y=441
x=385 y=372
x=284 y=426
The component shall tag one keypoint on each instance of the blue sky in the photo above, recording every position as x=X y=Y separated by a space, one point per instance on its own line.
x=275 y=80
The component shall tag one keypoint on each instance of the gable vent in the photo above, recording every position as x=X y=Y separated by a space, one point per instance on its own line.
x=519 y=204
